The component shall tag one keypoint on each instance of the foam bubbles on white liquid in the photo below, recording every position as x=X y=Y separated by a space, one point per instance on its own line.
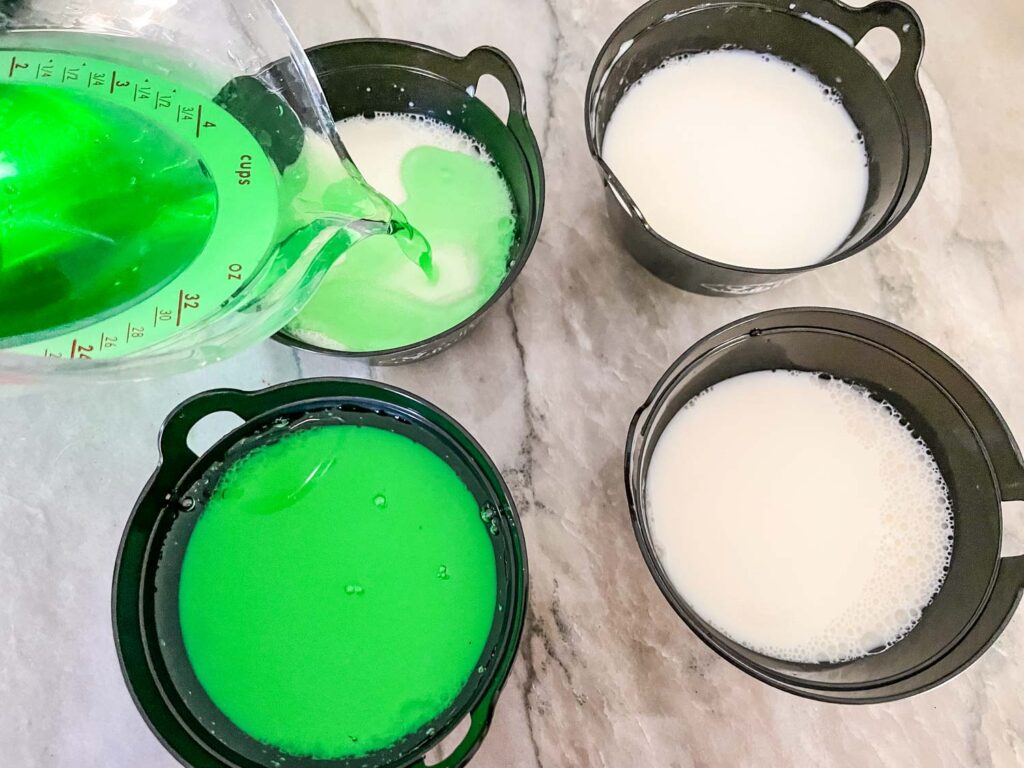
x=379 y=143
x=799 y=516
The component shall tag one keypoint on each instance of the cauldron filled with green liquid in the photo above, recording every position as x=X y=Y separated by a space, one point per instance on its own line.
x=338 y=582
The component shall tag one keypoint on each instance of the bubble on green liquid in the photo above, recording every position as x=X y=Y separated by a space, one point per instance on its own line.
x=489 y=515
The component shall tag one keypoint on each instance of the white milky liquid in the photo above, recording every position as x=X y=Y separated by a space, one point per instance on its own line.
x=378 y=145
x=741 y=158
x=799 y=516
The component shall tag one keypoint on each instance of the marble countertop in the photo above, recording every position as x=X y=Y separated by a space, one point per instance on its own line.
x=607 y=674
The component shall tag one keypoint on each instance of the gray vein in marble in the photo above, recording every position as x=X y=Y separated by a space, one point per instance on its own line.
x=524 y=467
x=608 y=675
x=529 y=685
x=360 y=12
x=551 y=73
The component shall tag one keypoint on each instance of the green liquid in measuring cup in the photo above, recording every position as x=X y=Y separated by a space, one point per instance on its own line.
x=134 y=205
x=338 y=590
x=99 y=207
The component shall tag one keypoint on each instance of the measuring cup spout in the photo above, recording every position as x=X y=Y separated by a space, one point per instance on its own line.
x=320 y=183
x=343 y=202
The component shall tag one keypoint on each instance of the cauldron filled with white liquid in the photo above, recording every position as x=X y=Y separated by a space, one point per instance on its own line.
x=965 y=435
x=815 y=39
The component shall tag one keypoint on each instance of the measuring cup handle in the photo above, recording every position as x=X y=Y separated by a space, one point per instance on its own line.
x=480 y=722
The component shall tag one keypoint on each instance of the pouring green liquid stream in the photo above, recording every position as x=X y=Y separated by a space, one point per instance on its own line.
x=133 y=207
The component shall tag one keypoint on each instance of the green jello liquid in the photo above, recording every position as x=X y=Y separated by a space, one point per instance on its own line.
x=99 y=207
x=338 y=590
x=134 y=204
x=373 y=299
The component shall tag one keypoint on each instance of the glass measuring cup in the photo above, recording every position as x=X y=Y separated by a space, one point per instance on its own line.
x=172 y=186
